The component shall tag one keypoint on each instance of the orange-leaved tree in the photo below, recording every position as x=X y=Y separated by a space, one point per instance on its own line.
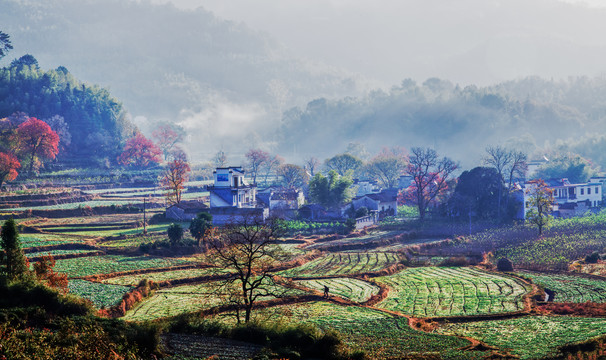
x=36 y=140
x=45 y=273
x=8 y=167
x=140 y=152
x=173 y=179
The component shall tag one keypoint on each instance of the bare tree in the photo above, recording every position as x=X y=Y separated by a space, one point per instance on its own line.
x=430 y=176
x=220 y=159
x=247 y=250
x=509 y=165
x=311 y=164
x=293 y=176
x=387 y=166
x=272 y=163
x=256 y=158
x=343 y=163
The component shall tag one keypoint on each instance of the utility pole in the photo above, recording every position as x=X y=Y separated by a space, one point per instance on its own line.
x=144 y=216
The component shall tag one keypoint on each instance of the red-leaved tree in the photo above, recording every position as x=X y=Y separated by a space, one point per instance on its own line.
x=140 y=152
x=430 y=176
x=36 y=140
x=8 y=167
x=166 y=138
x=173 y=179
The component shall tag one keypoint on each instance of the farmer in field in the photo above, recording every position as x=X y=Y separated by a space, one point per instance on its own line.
x=326 y=291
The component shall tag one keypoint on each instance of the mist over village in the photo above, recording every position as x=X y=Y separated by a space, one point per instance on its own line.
x=282 y=179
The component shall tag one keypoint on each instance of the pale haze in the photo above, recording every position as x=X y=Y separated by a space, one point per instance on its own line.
x=468 y=42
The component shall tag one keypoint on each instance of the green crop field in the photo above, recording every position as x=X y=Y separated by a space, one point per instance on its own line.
x=75 y=205
x=175 y=301
x=160 y=276
x=59 y=252
x=345 y=263
x=101 y=295
x=571 y=288
x=28 y=241
x=380 y=335
x=106 y=264
x=184 y=299
x=531 y=337
x=351 y=289
x=441 y=291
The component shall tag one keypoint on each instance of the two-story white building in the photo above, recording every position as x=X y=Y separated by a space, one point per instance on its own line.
x=570 y=199
x=230 y=189
x=232 y=199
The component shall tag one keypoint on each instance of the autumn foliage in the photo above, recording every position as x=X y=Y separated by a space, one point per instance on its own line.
x=173 y=179
x=36 y=140
x=166 y=138
x=8 y=167
x=45 y=273
x=140 y=152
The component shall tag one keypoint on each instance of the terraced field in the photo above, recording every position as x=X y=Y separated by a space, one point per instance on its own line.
x=159 y=276
x=571 y=288
x=79 y=267
x=441 y=291
x=345 y=263
x=102 y=295
x=29 y=241
x=183 y=299
x=61 y=252
x=347 y=288
x=531 y=337
x=380 y=335
x=175 y=301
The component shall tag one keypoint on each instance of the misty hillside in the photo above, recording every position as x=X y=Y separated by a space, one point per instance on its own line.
x=531 y=114
x=160 y=60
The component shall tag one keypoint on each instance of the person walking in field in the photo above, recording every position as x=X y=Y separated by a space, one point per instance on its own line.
x=326 y=291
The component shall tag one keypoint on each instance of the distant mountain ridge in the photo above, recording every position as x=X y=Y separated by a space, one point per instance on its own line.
x=160 y=60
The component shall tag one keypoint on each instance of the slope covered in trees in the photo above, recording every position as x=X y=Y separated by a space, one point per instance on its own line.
x=90 y=122
x=530 y=114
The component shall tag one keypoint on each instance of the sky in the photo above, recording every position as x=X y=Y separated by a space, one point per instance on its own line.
x=479 y=42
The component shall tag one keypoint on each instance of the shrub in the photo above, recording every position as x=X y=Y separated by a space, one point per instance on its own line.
x=175 y=233
x=504 y=264
x=458 y=261
x=593 y=258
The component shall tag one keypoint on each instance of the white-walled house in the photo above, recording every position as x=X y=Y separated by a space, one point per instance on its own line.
x=384 y=202
x=230 y=189
x=570 y=199
x=231 y=199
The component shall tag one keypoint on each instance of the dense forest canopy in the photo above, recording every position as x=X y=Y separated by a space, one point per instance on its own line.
x=94 y=122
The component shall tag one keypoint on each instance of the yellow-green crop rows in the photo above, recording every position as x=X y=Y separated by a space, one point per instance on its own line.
x=345 y=263
x=105 y=264
x=347 y=288
x=571 y=288
x=531 y=337
x=441 y=291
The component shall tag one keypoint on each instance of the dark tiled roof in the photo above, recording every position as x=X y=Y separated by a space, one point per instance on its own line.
x=190 y=205
x=230 y=210
x=225 y=194
x=388 y=195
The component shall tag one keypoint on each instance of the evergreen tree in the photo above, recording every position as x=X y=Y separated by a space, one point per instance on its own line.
x=16 y=264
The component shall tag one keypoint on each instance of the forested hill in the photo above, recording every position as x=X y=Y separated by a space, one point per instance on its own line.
x=92 y=123
x=531 y=114
x=160 y=60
